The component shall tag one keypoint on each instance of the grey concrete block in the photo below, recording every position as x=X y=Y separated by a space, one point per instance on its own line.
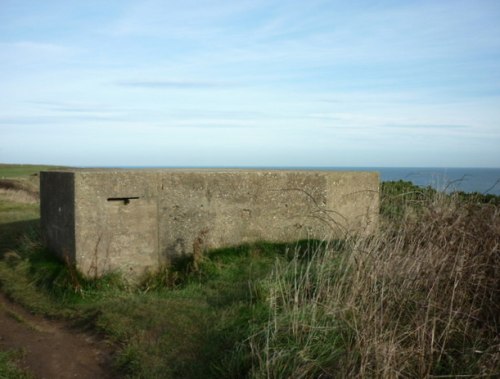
x=138 y=220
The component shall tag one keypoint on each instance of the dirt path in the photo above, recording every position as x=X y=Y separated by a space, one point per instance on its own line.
x=52 y=349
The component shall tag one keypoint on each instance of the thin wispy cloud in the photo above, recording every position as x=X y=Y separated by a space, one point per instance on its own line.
x=69 y=119
x=64 y=107
x=170 y=84
x=427 y=126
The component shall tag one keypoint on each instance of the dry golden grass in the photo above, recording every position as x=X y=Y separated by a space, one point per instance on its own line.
x=18 y=196
x=418 y=300
x=20 y=190
x=426 y=293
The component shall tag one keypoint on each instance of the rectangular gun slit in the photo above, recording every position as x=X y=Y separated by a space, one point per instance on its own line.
x=125 y=200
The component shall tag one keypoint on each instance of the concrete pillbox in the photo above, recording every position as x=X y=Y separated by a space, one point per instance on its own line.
x=138 y=220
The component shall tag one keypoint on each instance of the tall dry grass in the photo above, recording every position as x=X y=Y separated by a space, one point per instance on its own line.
x=419 y=299
x=19 y=191
x=18 y=196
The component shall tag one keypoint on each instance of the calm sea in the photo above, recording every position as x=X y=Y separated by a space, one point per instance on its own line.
x=483 y=180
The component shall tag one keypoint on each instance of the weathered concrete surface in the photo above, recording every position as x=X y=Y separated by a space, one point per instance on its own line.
x=137 y=220
x=57 y=213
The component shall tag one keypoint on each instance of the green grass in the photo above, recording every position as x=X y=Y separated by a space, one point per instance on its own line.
x=15 y=220
x=17 y=170
x=178 y=323
x=14 y=212
x=339 y=309
x=189 y=327
x=16 y=217
x=9 y=365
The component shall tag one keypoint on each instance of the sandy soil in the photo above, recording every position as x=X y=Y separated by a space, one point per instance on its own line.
x=52 y=349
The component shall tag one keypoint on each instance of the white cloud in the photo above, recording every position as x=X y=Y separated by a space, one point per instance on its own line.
x=169 y=84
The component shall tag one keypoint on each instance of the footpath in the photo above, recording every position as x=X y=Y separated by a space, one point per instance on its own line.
x=52 y=349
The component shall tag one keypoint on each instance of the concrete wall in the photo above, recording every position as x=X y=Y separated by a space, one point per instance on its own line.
x=57 y=213
x=116 y=234
x=136 y=220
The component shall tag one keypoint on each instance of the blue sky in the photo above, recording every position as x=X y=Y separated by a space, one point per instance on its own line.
x=250 y=83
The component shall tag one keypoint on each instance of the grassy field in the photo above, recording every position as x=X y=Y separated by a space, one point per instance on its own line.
x=22 y=170
x=19 y=205
x=419 y=299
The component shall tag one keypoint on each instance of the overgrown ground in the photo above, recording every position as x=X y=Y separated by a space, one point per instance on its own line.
x=419 y=299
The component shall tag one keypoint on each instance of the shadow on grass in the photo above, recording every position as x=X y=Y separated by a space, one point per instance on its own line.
x=184 y=322
x=12 y=233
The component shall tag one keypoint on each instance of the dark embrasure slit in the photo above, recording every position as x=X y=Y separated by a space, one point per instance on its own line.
x=125 y=200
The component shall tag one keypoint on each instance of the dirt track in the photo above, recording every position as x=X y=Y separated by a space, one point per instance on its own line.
x=52 y=349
